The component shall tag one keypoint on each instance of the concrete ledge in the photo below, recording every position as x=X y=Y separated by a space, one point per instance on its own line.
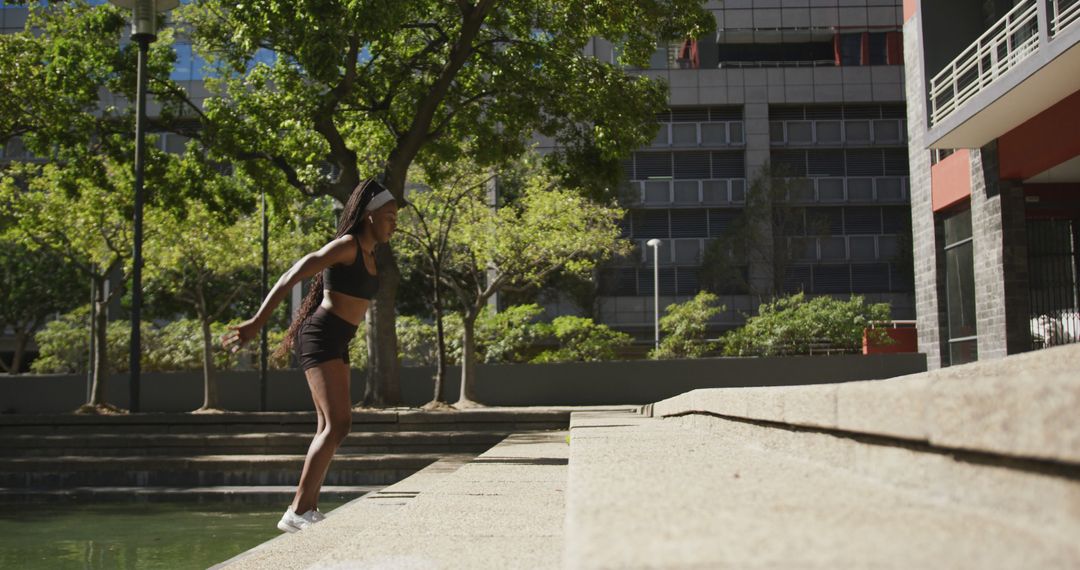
x=1022 y=406
x=563 y=384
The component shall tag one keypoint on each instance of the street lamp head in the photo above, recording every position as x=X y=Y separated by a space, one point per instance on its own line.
x=144 y=17
x=653 y=242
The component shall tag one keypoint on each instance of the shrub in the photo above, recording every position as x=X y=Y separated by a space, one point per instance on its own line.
x=790 y=325
x=416 y=341
x=506 y=336
x=684 y=326
x=581 y=339
x=64 y=344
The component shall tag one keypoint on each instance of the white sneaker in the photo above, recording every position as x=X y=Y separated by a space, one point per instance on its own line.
x=317 y=516
x=292 y=522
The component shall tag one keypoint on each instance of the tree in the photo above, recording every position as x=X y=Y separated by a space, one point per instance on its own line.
x=544 y=230
x=208 y=261
x=363 y=89
x=85 y=222
x=685 y=325
x=78 y=205
x=769 y=233
x=34 y=283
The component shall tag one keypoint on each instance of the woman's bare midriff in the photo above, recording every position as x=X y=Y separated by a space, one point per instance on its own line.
x=349 y=308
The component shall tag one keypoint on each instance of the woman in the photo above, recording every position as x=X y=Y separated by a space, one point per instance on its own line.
x=345 y=282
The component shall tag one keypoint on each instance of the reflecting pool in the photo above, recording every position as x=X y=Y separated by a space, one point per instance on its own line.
x=145 y=535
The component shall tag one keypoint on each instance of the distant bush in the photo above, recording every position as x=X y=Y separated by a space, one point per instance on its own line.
x=581 y=340
x=793 y=324
x=506 y=336
x=64 y=344
x=684 y=327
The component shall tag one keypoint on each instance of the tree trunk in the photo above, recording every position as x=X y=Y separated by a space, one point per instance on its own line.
x=210 y=391
x=21 y=338
x=440 y=345
x=468 y=360
x=382 y=387
x=100 y=357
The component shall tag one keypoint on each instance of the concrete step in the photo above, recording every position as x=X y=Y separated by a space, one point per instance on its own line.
x=224 y=494
x=203 y=470
x=165 y=444
x=485 y=419
x=701 y=491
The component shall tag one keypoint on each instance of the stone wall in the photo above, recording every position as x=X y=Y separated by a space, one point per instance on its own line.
x=579 y=383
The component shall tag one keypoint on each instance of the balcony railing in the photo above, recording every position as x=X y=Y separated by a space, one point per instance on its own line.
x=999 y=49
x=1063 y=13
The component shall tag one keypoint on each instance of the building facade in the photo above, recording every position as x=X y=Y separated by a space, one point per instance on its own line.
x=993 y=90
x=813 y=87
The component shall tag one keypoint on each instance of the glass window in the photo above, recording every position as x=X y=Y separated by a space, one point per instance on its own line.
x=960 y=288
x=650 y=224
x=692 y=165
x=832 y=279
x=684 y=134
x=652 y=165
x=688 y=223
x=182 y=69
x=714 y=133
x=850 y=49
x=687 y=251
x=686 y=192
x=720 y=220
x=878 y=49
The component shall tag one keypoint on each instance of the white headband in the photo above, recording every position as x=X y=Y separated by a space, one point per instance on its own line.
x=379 y=200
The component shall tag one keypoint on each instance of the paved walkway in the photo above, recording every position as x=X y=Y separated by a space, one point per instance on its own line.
x=503 y=509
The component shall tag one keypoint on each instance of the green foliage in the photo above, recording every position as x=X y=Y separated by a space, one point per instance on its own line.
x=501 y=337
x=416 y=341
x=581 y=340
x=356 y=83
x=64 y=344
x=358 y=348
x=791 y=325
x=684 y=327
x=179 y=346
x=34 y=283
x=505 y=336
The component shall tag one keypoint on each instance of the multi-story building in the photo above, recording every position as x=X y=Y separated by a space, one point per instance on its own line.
x=815 y=87
x=994 y=121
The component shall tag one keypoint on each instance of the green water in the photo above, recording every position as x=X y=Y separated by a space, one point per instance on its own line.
x=133 y=535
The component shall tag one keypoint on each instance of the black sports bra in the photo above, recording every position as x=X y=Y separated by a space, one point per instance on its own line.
x=352 y=279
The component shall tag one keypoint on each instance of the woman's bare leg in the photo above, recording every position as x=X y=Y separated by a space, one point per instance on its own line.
x=329 y=383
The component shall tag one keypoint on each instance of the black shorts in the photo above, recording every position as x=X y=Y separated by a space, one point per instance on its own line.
x=323 y=336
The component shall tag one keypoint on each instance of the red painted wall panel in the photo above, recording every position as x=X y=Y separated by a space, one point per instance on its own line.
x=1044 y=141
x=950 y=180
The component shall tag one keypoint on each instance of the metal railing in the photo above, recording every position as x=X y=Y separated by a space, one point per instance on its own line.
x=999 y=49
x=1063 y=13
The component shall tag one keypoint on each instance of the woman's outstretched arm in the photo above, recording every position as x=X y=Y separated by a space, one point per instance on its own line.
x=341 y=250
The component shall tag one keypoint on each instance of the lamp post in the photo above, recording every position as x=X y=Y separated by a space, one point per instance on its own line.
x=143 y=31
x=655 y=244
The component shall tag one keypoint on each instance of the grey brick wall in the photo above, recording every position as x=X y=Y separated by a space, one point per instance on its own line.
x=1000 y=248
x=929 y=265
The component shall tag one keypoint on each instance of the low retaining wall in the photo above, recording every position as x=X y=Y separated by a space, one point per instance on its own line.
x=568 y=384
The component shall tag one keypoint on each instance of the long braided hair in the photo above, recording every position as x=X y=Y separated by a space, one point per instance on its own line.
x=351 y=222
